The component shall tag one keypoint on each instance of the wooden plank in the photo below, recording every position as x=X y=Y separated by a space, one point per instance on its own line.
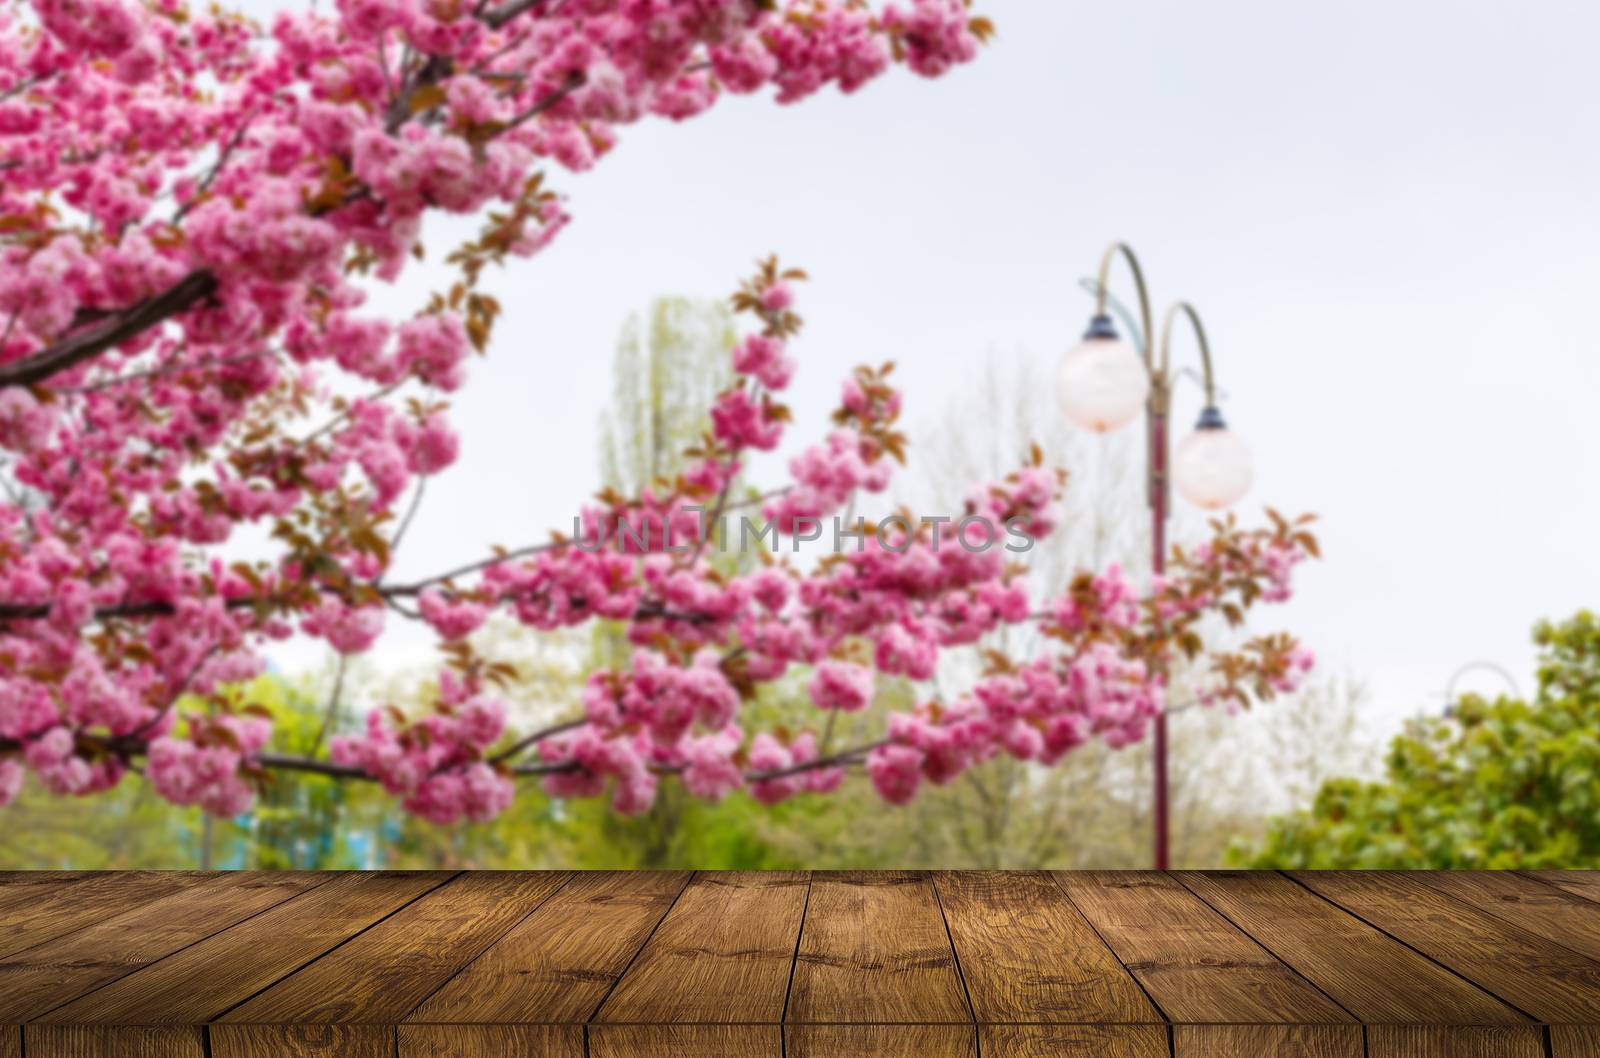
x=1579 y=883
x=1367 y=972
x=875 y=948
x=879 y=1041
x=1261 y=1041
x=1451 y=1041
x=722 y=954
x=1574 y=1041
x=48 y=975
x=24 y=887
x=1196 y=965
x=1552 y=913
x=301 y=1041
x=1027 y=955
x=382 y=975
x=490 y=1041
x=57 y=911
x=559 y=963
x=1536 y=976
x=202 y=981
x=1073 y=1041
x=105 y=1041
x=685 y=1041
x=10 y=1041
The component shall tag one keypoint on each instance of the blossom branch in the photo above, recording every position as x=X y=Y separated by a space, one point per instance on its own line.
x=91 y=342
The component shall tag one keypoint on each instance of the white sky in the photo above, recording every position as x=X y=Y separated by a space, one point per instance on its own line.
x=1386 y=213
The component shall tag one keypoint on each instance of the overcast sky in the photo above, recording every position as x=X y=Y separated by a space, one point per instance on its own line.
x=1386 y=213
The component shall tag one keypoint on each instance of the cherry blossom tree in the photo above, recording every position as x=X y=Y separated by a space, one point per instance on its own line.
x=190 y=210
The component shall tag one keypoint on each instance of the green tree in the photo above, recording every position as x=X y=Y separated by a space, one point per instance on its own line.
x=663 y=384
x=1496 y=784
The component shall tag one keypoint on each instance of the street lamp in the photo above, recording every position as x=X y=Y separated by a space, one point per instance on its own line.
x=1101 y=385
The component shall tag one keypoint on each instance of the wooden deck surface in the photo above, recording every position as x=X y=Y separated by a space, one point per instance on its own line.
x=800 y=965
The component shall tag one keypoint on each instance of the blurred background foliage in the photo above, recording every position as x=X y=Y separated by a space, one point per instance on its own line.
x=1496 y=784
x=1502 y=783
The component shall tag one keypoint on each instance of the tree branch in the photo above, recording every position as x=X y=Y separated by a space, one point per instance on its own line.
x=206 y=181
x=331 y=710
x=496 y=18
x=92 y=341
x=538 y=736
x=170 y=369
x=844 y=756
x=311 y=766
x=575 y=80
x=38 y=79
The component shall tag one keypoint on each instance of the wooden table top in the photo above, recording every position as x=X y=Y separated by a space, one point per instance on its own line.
x=800 y=965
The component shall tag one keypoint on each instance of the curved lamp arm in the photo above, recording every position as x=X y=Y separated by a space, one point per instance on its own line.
x=1183 y=308
x=1113 y=251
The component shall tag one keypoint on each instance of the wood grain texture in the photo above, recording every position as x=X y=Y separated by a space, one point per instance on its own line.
x=1535 y=975
x=685 y=1041
x=1073 y=1041
x=559 y=963
x=722 y=954
x=798 y=965
x=880 y=1041
x=1552 y=913
x=490 y=1041
x=875 y=948
x=49 y=974
x=85 y=901
x=1028 y=955
x=1195 y=964
x=1449 y=1041
x=385 y=973
x=107 y=1041
x=204 y=980
x=1579 y=883
x=301 y=1041
x=1266 y=1041
x=1370 y=974
x=1574 y=1041
x=27 y=887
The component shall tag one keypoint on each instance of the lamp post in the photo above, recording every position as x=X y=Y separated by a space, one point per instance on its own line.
x=1450 y=697
x=1102 y=384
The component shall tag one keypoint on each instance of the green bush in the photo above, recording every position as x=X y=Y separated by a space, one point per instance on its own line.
x=1497 y=784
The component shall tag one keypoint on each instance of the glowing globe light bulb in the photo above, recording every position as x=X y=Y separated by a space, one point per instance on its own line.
x=1102 y=382
x=1212 y=467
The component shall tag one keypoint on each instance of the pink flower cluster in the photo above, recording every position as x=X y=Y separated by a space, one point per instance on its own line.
x=54 y=759
x=825 y=476
x=1297 y=666
x=662 y=698
x=1111 y=601
x=436 y=764
x=762 y=356
x=742 y=421
x=936 y=35
x=451 y=618
x=205 y=769
x=590 y=759
x=779 y=769
x=104 y=28
x=1048 y=708
x=841 y=685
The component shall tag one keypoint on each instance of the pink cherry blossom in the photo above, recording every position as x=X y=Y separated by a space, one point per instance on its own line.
x=841 y=685
x=216 y=442
x=896 y=772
